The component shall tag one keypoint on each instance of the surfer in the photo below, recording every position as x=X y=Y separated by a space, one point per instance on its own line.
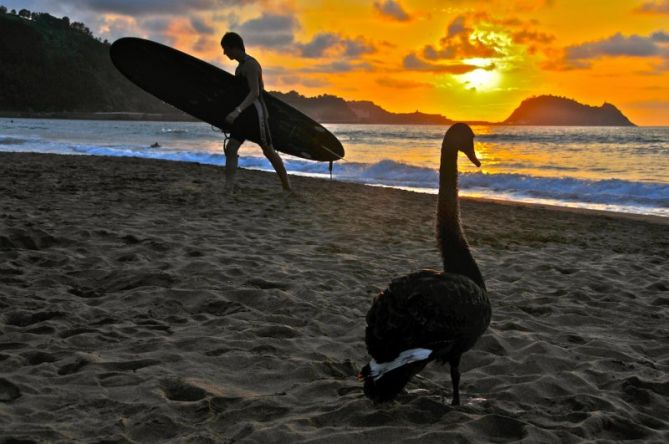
x=251 y=113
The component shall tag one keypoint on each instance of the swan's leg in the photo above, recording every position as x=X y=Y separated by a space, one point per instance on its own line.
x=455 y=379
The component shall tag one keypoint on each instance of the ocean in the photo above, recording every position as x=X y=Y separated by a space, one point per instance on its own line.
x=622 y=169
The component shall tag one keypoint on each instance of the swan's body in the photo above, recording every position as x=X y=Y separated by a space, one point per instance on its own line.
x=428 y=312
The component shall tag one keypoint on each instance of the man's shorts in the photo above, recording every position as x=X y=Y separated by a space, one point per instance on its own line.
x=253 y=124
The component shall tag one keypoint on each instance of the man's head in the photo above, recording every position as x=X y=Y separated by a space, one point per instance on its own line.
x=233 y=45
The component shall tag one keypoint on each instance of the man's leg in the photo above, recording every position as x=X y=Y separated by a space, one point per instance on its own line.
x=277 y=163
x=231 y=161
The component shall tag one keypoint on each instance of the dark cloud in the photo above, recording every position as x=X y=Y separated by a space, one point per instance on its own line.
x=533 y=40
x=325 y=44
x=525 y=36
x=142 y=7
x=269 y=31
x=616 y=45
x=131 y=8
x=660 y=37
x=165 y=39
x=319 y=45
x=457 y=26
x=413 y=63
x=156 y=25
x=655 y=7
x=392 y=9
x=432 y=53
x=201 y=27
x=129 y=15
x=356 y=47
x=339 y=67
x=581 y=56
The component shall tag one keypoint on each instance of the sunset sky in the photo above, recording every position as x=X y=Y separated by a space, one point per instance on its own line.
x=463 y=59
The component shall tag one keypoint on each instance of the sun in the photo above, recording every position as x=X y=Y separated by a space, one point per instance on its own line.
x=480 y=79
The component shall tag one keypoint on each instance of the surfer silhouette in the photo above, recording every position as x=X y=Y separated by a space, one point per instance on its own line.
x=250 y=114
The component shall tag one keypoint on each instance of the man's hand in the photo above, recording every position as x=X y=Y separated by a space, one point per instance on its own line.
x=230 y=118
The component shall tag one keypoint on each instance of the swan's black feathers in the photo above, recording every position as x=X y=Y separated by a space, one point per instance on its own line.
x=444 y=312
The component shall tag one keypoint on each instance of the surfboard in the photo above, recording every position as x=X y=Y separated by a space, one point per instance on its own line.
x=209 y=93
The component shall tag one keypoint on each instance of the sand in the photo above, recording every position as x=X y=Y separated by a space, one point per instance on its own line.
x=139 y=303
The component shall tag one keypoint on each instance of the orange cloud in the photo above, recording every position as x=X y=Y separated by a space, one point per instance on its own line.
x=459 y=42
x=390 y=82
x=477 y=35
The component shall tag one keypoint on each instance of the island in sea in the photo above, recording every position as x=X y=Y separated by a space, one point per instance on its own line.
x=87 y=85
x=553 y=110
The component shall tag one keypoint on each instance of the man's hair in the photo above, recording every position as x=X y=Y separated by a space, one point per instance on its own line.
x=232 y=40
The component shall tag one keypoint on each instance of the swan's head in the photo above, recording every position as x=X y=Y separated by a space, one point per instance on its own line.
x=461 y=137
x=387 y=387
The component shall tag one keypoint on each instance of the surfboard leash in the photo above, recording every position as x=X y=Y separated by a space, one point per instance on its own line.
x=226 y=136
x=331 y=161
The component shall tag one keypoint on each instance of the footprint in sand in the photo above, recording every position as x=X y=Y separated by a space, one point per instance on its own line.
x=129 y=365
x=24 y=318
x=34 y=239
x=38 y=357
x=75 y=331
x=72 y=367
x=42 y=330
x=180 y=391
x=8 y=391
x=85 y=292
x=222 y=307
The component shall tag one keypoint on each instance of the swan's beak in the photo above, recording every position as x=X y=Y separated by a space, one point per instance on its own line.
x=472 y=156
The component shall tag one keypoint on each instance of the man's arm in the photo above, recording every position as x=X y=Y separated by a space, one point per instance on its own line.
x=252 y=74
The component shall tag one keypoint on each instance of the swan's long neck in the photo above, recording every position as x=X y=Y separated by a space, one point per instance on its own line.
x=452 y=242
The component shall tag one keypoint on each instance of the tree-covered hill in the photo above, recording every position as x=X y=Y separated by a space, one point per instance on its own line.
x=333 y=109
x=48 y=64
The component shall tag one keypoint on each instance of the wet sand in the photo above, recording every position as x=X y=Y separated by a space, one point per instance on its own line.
x=140 y=303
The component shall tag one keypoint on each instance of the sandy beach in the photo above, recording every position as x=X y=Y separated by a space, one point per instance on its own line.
x=142 y=304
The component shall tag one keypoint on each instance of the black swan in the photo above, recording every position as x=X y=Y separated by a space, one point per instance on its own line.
x=427 y=315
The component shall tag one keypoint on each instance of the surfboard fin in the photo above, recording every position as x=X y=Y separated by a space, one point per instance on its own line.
x=330 y=168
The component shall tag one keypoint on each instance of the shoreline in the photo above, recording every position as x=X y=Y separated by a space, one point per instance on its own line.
x=156 y=307
x=595 y=211
x=651 y=218
x=612 y=213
